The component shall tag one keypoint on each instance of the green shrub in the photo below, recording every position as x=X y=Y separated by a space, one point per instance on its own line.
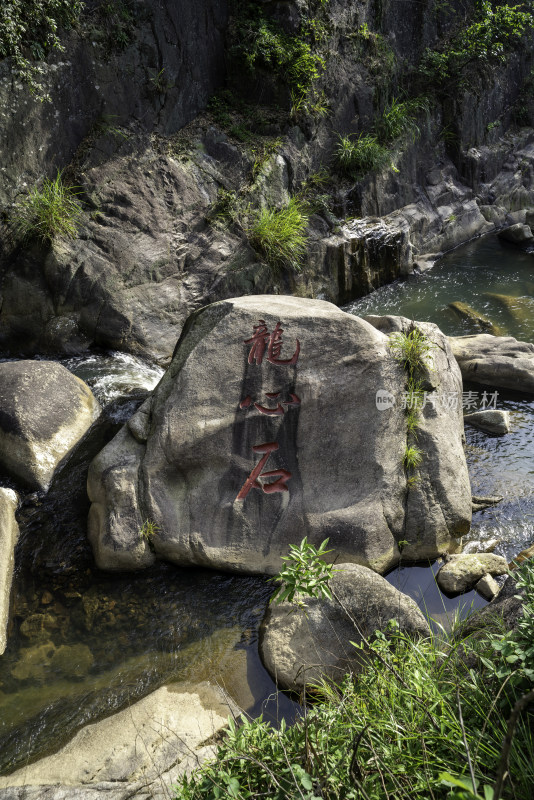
x=279 y=235
x=48 y=212
x=357 y=156
x=29 y=30
x=305 y=572
x=494 y=31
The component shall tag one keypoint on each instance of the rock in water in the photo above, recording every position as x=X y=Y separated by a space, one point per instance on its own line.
x=44 y=411
x=301 y=645
x=9 y=531
x=265 y=429
x=491 y=421
x=463 y=571
x=496 y=361
x=517 y=234
x=475 y=318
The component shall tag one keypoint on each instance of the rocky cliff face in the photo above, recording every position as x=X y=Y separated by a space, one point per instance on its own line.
x=156 y=241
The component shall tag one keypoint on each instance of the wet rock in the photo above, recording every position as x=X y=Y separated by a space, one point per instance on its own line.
x=9 y=531
x=45 y=411
x=502 y=612
x=34 y=662
x=462 y=572
x=175 y=725
x=488 y=587
x=495 y=421
x=518 y=309
x=72 y=661
x=517 y=234
x=228 y=409
x=495 y=361
x=300 y=645
x=475 y=318
x=524 y=555
x=480 y=503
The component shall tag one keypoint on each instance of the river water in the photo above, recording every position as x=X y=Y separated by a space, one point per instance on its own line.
x=84 y=643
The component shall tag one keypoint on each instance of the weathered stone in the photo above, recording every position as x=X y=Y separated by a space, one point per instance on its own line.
x=517 y=234
x=300 y=645
x=518 y=309
x=38 y=626
x=487 y=587
x=9 y=531
x=45 y=411
x=495 y=361
x=491 y=421
x=475 y=318
x=341 y=458
x=502 y=612
x=144 y=748
x=461 y=572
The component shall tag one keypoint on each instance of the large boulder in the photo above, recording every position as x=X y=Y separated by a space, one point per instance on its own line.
x=265 y=429
x=497 y=361
x=44 y=411
x=9 y=531
x=139 y=752
x=301 y=643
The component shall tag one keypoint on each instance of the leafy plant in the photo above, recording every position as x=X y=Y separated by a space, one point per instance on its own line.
x=29 y=31
x=279 y=235
x=357 y=156
x=305 y=572
x=49 y=212
x=516 y=649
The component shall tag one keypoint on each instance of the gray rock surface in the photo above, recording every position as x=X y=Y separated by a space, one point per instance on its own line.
x=491 y=421
x=9 y=531
x=517 y=234
x=495 y=361
x=337 y=459
x=44 y=411
x=500 y=614
x=137 y=753
x=462 y=572
x=488 y=587
x=299 y=645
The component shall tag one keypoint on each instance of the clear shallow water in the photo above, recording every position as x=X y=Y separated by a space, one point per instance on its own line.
x=500 y=465
x=84 y=643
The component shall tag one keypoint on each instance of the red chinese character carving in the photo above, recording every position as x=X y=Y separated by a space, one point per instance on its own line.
x=252 y=482
x=272 y=412
x=262 y=339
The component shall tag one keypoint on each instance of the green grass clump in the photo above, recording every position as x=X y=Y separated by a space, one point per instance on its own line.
x=48 y=212
x=356 y=156
x=413 y=350
x=399 y=118
x=279 y=235
x=413 y=457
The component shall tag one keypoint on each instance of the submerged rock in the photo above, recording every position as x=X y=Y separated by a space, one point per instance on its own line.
x=265 y=429
x=144 y=748
x=475 y=318
x=44 y=411
x=490 y=421
x=495 y=361
x=300 y=645
x=9 y=531
x=462 y=572
x=480 y=503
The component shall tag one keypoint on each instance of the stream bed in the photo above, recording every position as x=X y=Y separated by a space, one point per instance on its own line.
x=84 y=643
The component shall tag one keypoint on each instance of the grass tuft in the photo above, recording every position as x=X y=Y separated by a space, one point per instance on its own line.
x=49 y=212
x=279 y=235
x=357 y=156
